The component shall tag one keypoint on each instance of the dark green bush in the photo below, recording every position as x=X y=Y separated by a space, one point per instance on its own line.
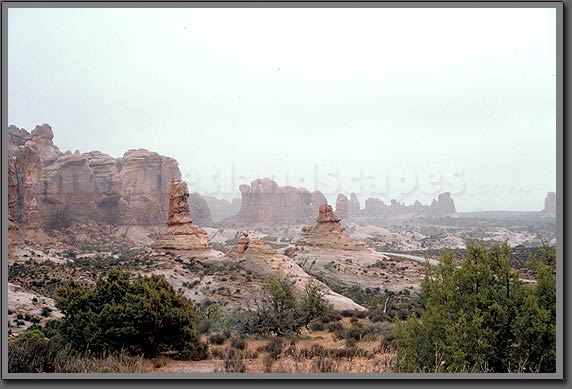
x=145 y=316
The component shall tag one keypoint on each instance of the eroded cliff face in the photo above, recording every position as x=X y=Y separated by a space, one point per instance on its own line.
x=342 y=205
x=28 y=169
x=265 y=202
x=199 y=209
x=144 y=180
x=49 y=189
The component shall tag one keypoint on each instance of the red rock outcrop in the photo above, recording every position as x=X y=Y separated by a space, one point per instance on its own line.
x=264 y=201
x=199 y=209
x=69 y=192
x=181 y=234
x=16 y=138
x=317 y=200
x=28 y=168
x=13 y=202
x=145 y=178
x=106 y=171
x=354 y=208
x=43 y=137
x=328 y=233
x=550 y=204
x=50 y=189
x=342 y=205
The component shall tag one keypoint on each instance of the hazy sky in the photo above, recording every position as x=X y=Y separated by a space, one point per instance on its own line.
x=388 y=103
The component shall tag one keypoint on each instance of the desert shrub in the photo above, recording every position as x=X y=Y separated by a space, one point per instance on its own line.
x=317 y=326
x=267 y=363
x=218 y=338
x=145 y=316
x=283 y=314
x=324 y=365
x=234 y=362
x=274 y=348
x=46 y=311
x=32 y=352
x=237 y=343
x=334 y=327
x=480 y=317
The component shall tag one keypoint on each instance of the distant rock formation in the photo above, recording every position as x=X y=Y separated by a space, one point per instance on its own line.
x=222 y=209
x=329 y=233
x=342 y=205
x=317 y=200
x=442 y=206
x=181 y=234
x=264 y=201
x=51 y=190
x=550 y=204
x=199 y=208
x=353 y=205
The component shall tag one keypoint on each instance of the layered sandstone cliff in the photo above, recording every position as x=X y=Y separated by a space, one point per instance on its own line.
x=49 y=189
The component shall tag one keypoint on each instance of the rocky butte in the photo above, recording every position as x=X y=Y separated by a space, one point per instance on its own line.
x=265 y=202
x=181 y=234
x=49 y=189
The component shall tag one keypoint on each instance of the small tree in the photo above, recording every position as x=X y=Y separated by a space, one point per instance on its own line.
x=144 y=316
x=480 y=317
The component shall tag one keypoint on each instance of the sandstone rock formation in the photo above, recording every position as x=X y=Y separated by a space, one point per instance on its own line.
x=50 y=189
x=145 y=178
x=317 y=200
x=69 y=192
x=353 y=205
x=13 y=207
x=329 y=233
x=342 y=205
x=222 y=209
x=264 y=201
x=16 y=138
x=105 y=169
x=28 y=175
x=442 y=206
x=181 y=234
x=259 y=258
x=550 y=204
x=199 y=209
x=43 y=137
